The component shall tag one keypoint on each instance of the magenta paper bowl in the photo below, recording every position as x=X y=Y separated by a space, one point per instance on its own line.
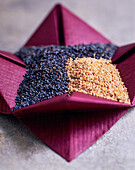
x=67 y=124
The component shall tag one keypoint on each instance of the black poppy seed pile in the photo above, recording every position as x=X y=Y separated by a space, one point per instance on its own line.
x=46 y=74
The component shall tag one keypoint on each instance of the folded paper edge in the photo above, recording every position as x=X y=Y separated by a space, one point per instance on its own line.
x=123 y=52
x=97 y=100
x=32 y=39
x=7 y=57
x=5 y=109
x=12 y=58
x=69 y=156
x=58 y=15
x=68 y=101
x=63 y=8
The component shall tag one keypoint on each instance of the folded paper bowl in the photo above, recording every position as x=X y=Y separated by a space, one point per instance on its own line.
x=67 y=124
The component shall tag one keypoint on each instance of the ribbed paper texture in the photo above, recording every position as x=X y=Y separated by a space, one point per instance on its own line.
x=69 y=133
x=11 y=76
x=127 y=72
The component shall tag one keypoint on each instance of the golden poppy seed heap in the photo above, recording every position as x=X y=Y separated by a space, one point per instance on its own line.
x=96 y=77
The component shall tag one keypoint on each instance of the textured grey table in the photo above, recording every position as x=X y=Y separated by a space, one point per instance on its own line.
x=19 y=148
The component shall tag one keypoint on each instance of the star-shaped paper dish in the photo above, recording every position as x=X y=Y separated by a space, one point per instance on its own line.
x=67 y=124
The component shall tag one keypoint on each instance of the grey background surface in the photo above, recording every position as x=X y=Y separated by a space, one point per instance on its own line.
x=19 y=148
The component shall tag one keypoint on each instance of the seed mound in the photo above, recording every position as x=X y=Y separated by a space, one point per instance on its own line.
x=32 y=55
x=96 y=77
x=46 y=74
